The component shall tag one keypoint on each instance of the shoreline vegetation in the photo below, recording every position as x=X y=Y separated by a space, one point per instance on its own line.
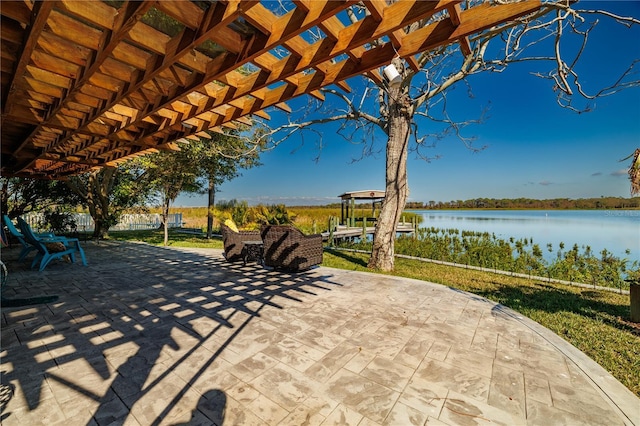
x=522 y=256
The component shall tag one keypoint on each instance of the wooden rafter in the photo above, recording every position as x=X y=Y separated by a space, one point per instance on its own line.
x=89 y=84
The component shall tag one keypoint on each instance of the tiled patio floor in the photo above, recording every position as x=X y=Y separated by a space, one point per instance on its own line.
x=155 y=336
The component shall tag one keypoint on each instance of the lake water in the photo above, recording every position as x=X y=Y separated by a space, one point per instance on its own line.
x=615 y=230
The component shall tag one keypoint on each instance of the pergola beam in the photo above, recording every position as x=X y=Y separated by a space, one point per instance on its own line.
x=97 y=83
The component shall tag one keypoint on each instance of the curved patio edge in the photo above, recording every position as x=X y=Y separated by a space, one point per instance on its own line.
x=619 y=397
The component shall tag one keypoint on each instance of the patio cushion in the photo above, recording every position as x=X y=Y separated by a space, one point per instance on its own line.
x=55 y=247
x=231 y=225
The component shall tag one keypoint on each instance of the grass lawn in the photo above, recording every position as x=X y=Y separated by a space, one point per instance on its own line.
x=596 y=322
x=176 y=239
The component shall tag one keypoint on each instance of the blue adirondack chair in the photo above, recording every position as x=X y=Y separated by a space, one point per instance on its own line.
x=44 y=255
x=26 y=247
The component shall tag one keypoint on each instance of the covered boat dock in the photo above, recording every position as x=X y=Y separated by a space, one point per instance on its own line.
x=351 y=226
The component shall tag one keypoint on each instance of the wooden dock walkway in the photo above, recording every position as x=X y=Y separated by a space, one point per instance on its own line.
x=348 y=232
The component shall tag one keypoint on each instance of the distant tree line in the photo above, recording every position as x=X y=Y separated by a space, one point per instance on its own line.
x=513 y=203
x=530 y=203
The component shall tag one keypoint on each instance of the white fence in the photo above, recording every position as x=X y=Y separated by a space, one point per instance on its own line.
x=128 y=222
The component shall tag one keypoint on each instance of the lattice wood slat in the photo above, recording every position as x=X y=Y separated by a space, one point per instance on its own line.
x=89 y=83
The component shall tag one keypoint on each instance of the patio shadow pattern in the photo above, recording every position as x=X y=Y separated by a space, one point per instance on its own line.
x=147 y=335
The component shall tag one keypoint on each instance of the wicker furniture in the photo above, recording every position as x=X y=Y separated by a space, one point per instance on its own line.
x=253 y=250
x=234 y=242
x=287 y=248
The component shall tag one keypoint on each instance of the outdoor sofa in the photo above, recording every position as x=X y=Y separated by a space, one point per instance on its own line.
x=234 y=242
x=286 y=247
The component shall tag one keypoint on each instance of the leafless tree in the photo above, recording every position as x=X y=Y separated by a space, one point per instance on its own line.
x=403 y=111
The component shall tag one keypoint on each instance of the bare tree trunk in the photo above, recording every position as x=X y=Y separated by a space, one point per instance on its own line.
x=96 y=196
x=165 y=219
x=101 y=201
x=397 y=190
x=210 y=204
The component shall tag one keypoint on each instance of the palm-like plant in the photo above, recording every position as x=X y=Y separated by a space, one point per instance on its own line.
x=634 y=172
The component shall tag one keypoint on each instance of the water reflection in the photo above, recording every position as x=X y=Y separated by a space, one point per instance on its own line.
x=615 y=230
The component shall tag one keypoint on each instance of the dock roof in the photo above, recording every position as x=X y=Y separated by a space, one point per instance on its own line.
x=368 y=194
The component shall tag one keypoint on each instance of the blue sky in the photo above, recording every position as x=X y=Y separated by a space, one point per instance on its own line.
x=534 y=148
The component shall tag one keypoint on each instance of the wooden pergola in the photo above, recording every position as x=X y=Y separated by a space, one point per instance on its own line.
x=87 y=84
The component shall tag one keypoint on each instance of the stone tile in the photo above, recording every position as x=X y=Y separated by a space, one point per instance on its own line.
x=359 y=325
x=309 y=352
x=193 y=364
x=368 y=422
x=485 y=342
x=238 y=414
x=242 y=392
x=332 y=362
x=29 y=391
x=438 y=351
x=153 y=403
x=460 y=409
x=414 y=352
x=319 y=339
x=432 y=421
x=289 y=356
x=470 y=360
x=53 y=415
x=537 y=389
x=342 y=416
x=320 y=402
x=195 y=408
x=195 y=418
x=303 y=415
x=267 y=410
x=404 y=415
x=424 y=396
x=254 y=340
x=581 y=402
x=462 y=381
x=379 y=344
x=285 y=386
x=360 y=360
x=451 y=334
x=362 y=395
x=95 y=372
x=110 y=411
x=533 y=365
x=388 y=373
x=579 y=380
x=507 y=391
x=252 y=367
x=82 y=418
x=399 y=330
x=539 y=414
